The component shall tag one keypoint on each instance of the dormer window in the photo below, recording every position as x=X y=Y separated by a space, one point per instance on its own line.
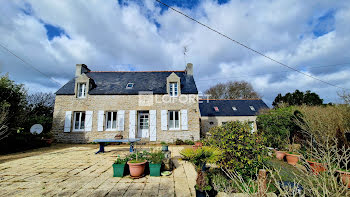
x=252 y=108
x=234 y=108
x=216 y=109
x=81 y=90
x=129 y=85
x=173 y=89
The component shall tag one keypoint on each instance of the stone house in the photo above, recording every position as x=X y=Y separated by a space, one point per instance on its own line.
x=216 y=112
x=153 y=105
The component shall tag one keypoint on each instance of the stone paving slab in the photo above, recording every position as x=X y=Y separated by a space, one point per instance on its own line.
x=77 y=171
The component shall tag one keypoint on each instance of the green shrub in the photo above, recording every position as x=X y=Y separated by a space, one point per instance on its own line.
x=189 y=142
x=156 y=157
x=121 y=160
x=222 y=184
x=179 y=142
x=186 y=142
x=137 y=157
x=242 y=150
x=276 y=125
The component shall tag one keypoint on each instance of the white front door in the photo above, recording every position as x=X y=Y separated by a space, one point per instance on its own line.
x=143 y=125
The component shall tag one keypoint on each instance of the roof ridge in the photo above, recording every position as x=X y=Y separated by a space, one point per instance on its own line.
x=136 y=71
x=256 y=99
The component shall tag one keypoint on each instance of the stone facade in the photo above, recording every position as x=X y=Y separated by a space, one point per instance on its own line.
x=95 y=103
x=208 y=122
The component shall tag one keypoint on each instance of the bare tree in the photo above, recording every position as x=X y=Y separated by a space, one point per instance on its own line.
x=345 y=96
x=233 y=90
x=41 y=103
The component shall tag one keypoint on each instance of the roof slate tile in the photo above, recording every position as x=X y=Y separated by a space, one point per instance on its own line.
x=114 y=83
x=206 y=107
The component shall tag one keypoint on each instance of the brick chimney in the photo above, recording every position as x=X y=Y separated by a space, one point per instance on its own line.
x=189 y=69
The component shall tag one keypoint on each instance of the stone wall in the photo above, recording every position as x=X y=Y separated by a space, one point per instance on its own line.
x=218 y=120
x=95 y=103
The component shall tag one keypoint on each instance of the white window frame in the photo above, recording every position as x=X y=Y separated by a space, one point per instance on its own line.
x=81 y=86
x=173 y=89
x=79 y=127
x=252 y=107
x=251 y=124
x=174 y=111
x=112 y=115
x=234 y=108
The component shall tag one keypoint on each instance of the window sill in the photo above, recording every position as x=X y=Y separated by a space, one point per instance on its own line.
x=80 y=130
x=174 y=129
x=111 y=130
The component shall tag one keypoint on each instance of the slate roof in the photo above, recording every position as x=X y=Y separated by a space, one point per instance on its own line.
x=225 y=107
x=114 y=83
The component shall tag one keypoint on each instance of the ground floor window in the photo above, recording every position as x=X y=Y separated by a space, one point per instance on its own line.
x=111 y=120
x=174 y=120
x=79 y=121
x=251 y=124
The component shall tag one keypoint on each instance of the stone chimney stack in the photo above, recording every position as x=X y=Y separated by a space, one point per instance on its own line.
x=189 y=69
x=80 y=69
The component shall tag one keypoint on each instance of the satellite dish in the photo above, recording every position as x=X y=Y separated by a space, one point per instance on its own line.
x=36 y=129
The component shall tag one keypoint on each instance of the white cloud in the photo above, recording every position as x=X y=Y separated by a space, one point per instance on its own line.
x=105 y=35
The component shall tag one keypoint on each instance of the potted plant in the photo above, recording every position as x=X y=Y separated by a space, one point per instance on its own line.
x=345 y=176
x=198 y=144
x=316 y=166
x=164 y=146
x=155 y=162
x=137 y=164
x=292 y=156
x=202 y=184
x=280 y=155
x=119 y=166
x=200 y=157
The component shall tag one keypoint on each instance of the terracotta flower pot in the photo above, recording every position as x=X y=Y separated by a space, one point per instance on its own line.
x=199 y=144
x=345 y=177
x=292 y=159
x=137 y=169
x=280 y=155
x=317 y=167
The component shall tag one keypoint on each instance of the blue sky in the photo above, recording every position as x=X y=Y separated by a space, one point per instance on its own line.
x=53 y=31
x=144 y=35
x=324 y=24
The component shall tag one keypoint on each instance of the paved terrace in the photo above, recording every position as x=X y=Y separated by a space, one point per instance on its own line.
x=75 y=170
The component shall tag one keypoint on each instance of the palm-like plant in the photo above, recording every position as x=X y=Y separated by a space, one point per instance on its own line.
x=199 y=158
x=202 y=155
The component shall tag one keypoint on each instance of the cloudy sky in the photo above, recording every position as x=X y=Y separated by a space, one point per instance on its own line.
x=53 y=36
